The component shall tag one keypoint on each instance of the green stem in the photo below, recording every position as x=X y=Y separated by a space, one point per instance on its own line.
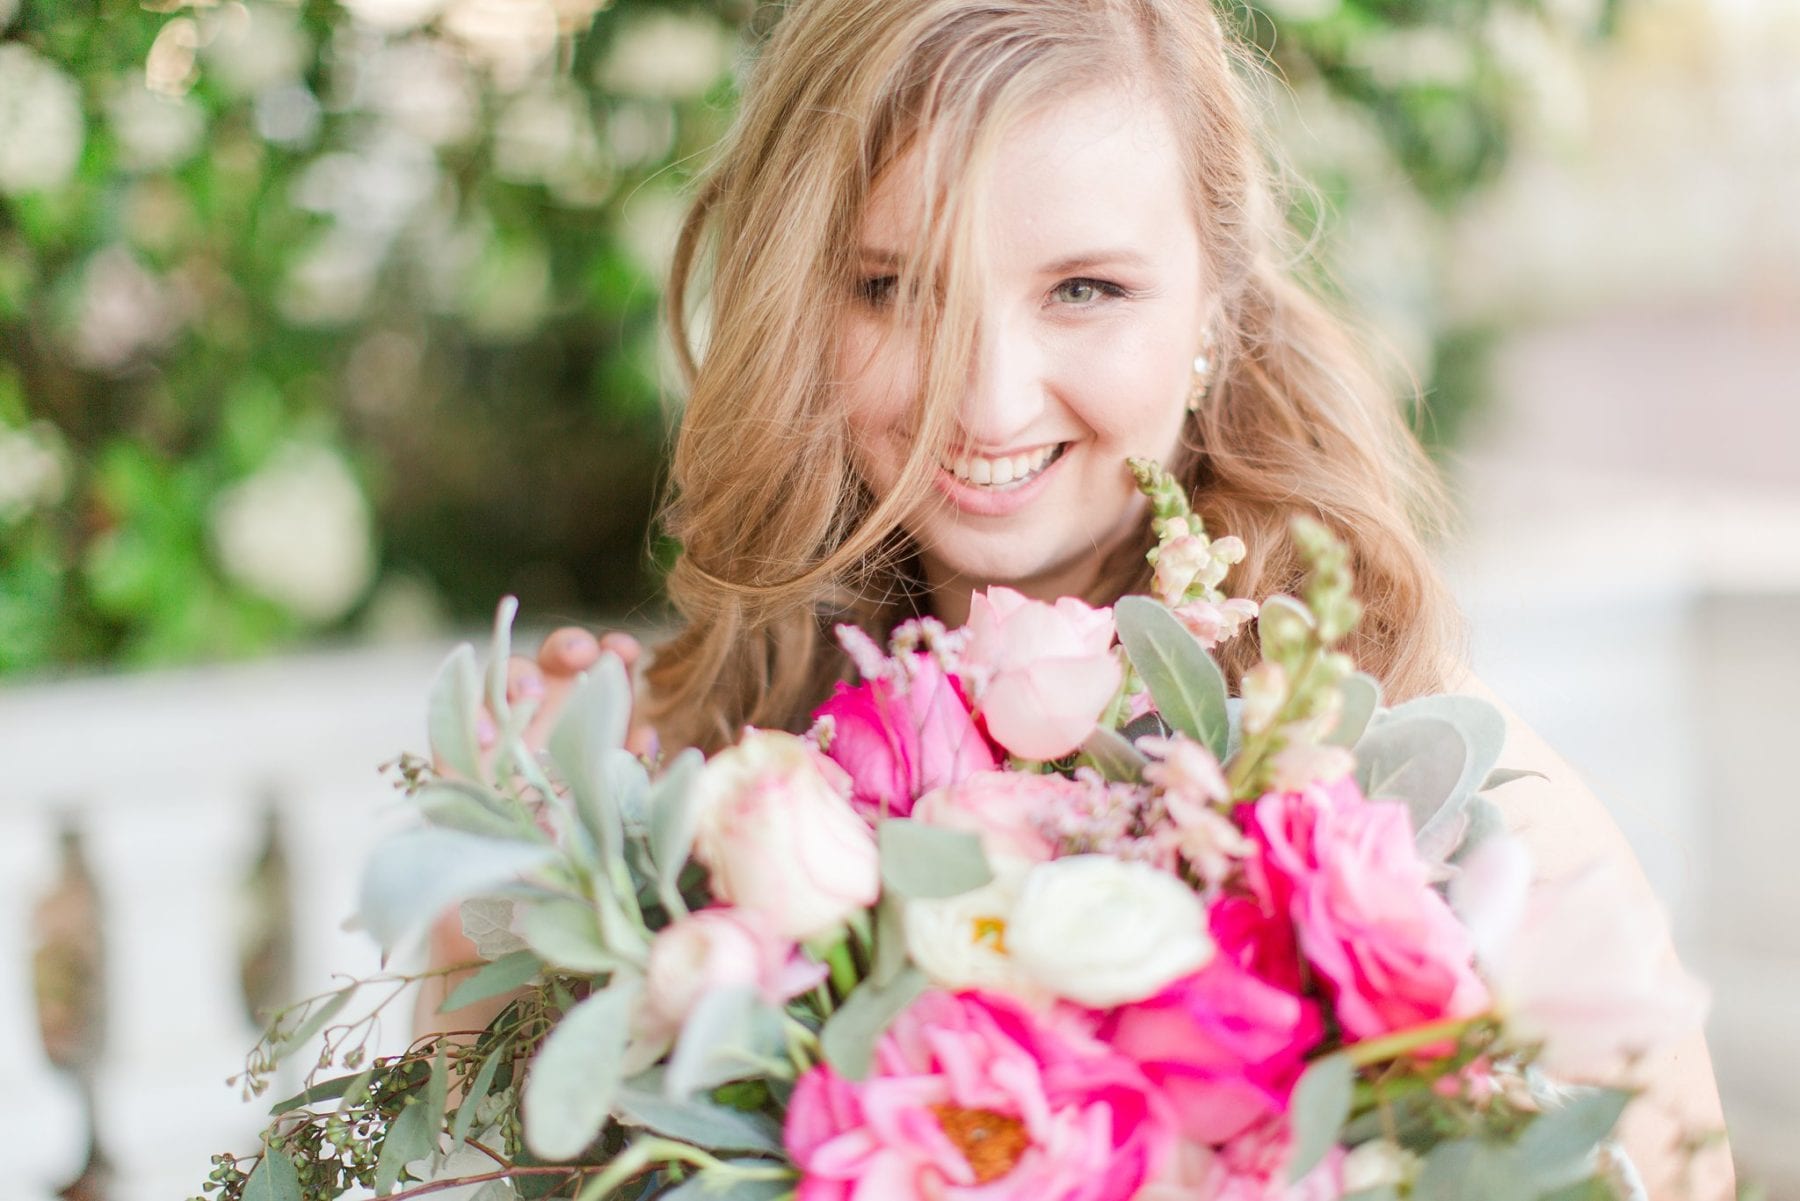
x=1401 y=1042
x=843 y=968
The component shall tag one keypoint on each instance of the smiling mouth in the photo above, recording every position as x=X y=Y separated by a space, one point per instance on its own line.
x=1002 y=474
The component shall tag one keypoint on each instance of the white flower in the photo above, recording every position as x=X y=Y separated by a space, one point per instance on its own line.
x=666 y=55
x=154 y=132
x=41 y=129
x=962 y=941
x=297 y=532
x=1379 y=1164
x=32 y=474
x=123 y=313
x=546 y=135
x=252 y=48
x=422 y=87
x=1264 y=688
x=1101 y=931
x=775 y=828
x=512 y=38
x=1579 y=965
x=394 y=16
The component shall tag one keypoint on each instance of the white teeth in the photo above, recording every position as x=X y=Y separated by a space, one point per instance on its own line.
x=997 y=473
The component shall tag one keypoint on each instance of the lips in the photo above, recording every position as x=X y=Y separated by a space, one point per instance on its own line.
x=1001 y=471
x=998 y=499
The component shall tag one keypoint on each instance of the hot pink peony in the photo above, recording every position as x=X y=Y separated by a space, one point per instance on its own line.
x=902 y=737
x=973 y=1096
x=1223 y=1046
x=1345 y=870
x=1045 y=672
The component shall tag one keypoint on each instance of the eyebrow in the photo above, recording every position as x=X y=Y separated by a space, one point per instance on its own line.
x=1087 y=260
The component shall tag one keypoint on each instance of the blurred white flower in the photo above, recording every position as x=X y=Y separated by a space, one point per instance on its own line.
x=650 y=225
x=960 y=941
x=1414 y=56
x=666 y=55
x=298 y=533
x=8 y=10
x=423 y=88
x=32 y=471
x=251 y=48
x=154 y=132
x=640 y=133
x=41 y=129
x=287 y=115
x=511 y=38
x=374 y=190
x=173 y=62
x=122 y=312
x=508 y=291
x=544 y=134
x=330 y=282
x=1379 y=1163
x=394 y=16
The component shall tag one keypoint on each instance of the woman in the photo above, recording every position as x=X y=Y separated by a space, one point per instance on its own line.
x=962 y=258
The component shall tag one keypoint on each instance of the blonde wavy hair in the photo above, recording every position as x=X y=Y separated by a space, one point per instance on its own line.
x=780 y=537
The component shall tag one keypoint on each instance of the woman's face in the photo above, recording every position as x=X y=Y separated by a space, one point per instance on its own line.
x=1092 y=305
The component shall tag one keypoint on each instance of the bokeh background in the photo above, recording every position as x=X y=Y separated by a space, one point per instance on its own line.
x=323 y=324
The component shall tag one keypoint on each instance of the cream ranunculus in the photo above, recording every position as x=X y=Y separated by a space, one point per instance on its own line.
x=1103 y=932
x=776 y=830
x=961 y=942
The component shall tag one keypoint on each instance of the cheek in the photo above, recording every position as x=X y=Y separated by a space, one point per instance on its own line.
x=874 y=380
x=1135 y=385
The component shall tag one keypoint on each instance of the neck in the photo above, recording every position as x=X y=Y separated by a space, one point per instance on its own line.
x=949 y=591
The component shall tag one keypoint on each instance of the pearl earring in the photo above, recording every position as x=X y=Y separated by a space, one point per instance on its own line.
x=1203 y=373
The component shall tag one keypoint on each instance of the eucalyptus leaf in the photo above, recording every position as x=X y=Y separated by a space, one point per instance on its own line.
x=455 y=700
x=890 y=941
x=732 y=1033
x=496 y=979
x=325 y=1090
x=472 y=1099
x=1470 y=1170
x=570 y=1082
x=645 y=1102
x=1319 y=1106
x=313 y=1023
x=566 y=934
x=1114 y=756
x=707 y=1186
x=437 y=1090
x=1362 y=697
x=1186 y=684
x=1506 y=775
x=923 y=862
x=672 y=819
x=1556 y=1150
x=410 y=1136
x=273 y=1179
x=850 y=1034
x=414 y=876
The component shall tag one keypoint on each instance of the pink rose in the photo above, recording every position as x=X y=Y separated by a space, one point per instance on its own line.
x=1253 y=1167
x=1346 y=872
x=1009 y=810
x=901 y=737
x=1223 y=1046
x=721 y=947
x=775 y=829
x=973 y=1096
x=1045 y=672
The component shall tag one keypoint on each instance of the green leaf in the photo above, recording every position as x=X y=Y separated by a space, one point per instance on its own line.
x=313 y=1023
x=850 y=1034
x=459 y=805
x=471 y=1101
x=566 y=934
x=706 y=1186
x=414 y=876
x=488 y=923
x=437 y=1091
x=1555 y=1149
x=327 y=1090
x=1362 y=697
x=455 y=700
x=274 y=1179
x=1381 y=1192
x=1318 y=1109
x=1113 y=755
x=694 y=1120
x=499 y=652
x=592 y=729
x=1418 y=760
x=1186 y=684
x=570 y=1082
x=1485 y=821
x=732 y=1033
x=1481 y=725
x=890 y=941
x=672 y=819
x=1506 y=775
x=410 y=1136
x=1469 y=1170
x=923 y=862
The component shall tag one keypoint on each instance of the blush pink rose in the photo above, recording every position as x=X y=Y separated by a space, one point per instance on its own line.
x=900 y=738
x=1045 y=672
x=721 y=947
x=975 y=1098
x=1345 y=871
x=1224 y=1047
x=1009 y=810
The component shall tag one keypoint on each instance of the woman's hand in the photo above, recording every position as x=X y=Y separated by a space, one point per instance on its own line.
x=547 y=679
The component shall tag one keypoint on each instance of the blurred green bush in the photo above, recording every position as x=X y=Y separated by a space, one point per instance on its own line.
x=317 y=316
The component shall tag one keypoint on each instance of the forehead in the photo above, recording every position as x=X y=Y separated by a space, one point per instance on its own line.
x=1098 y=168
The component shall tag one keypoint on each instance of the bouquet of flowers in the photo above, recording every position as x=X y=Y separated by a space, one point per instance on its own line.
x=1035 y=909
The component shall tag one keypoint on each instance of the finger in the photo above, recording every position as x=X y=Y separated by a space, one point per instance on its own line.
x=524 y=680
x=625 y=646
x=568 y=652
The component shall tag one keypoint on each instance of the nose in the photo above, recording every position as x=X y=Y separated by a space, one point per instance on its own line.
x=1006 y=390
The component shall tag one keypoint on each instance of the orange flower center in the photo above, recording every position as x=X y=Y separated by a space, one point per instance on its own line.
x=989 y=930
x=993 y=1143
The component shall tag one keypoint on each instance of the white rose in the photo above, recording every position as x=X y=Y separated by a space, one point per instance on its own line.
x=962 y=941
x=775 y=829
x=1379 y=1164
x=1102 y=932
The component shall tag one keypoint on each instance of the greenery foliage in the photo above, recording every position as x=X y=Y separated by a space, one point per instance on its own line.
x=309 y=310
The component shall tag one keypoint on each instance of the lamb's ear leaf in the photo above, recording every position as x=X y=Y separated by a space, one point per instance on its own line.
x=1113 y=756
x=1362 y=697
x=450 y=714
x=1320 y=1105
x=417 y=874
x=1185 y=683
x=570 y=1082
x=923 y=862
x=850 y=1034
